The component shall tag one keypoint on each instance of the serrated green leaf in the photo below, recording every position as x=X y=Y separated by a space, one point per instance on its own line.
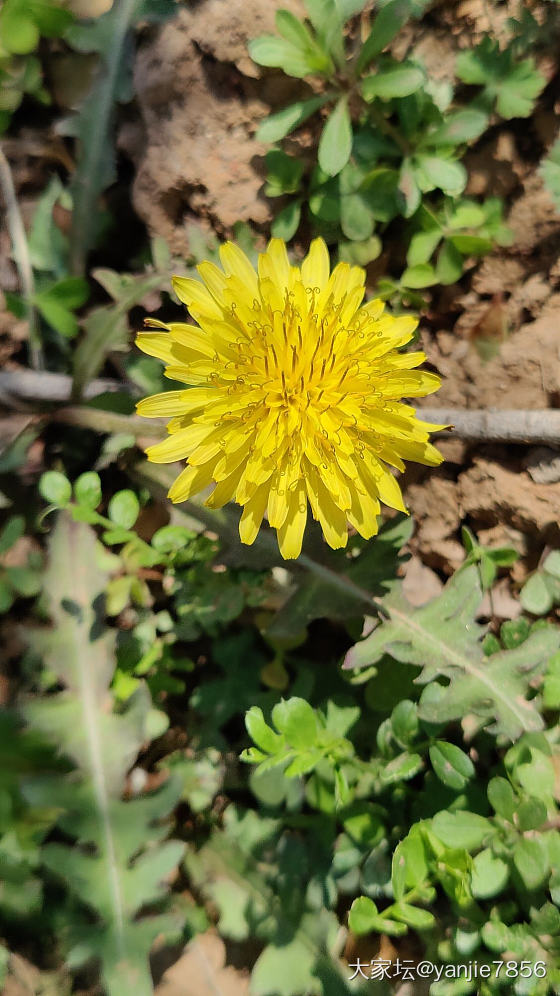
x=443 y=638
x=104 y=877
x=513 y=85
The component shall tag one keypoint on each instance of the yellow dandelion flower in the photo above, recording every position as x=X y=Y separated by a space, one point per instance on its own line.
x=294 y=395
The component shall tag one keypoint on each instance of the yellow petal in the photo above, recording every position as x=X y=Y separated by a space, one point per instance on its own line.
x=224 y=490
x=235 y=263
x=316 y=265
x=363 y=514
x=278 y=499
x=252 y=516
x=196 y=297
x=177 y=446
x=275 y=265
x=190 y=481
x=170 y=403
x=332 y=519
x=157 y=344
x=215 y=280
x=290 y=533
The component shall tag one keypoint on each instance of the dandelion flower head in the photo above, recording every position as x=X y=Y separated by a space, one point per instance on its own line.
x=294 y=397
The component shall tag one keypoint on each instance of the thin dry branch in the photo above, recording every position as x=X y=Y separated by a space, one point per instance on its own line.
x=498 y=426
x=484 y=425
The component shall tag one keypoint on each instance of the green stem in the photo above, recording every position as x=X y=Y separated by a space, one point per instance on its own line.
x=388 y=129
x=21 y=256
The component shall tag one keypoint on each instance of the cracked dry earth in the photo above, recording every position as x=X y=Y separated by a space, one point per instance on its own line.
x=495 y=337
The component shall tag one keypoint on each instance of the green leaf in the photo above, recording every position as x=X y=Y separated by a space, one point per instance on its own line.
x=360 y=253
x=552 y=564
x=408 y=187
x=356 y=220
x=404 y=722
x=286 y=222
x=386 y=25
x=12 y=530
x=55 y=488
x=550 y=172
x=124 y=508
x=537 y=775
x=402 y=768
x=551 y=690
x=501 y=797
x=462 y=830
x=261 y=733
x=57 y=302
x=422 y=247
x=513 y=85
x=443 y=638
x=452 y=766
x=269 y=50
x=445 y=174
x=416 y=277
x=449 y=267
x=293 y=30
x=335 y=145
x=537 y=595
x=321 y=14
x=18 y=32
x=398 y=80
x=531 y=862
x=458 y=127
x=297 y=720
x=106 y=327
x=489 y=875
x=471 y=245
x=363 y=913
x=119 y=862
x=87 y=489
x=283 y=173
x=278 y=125
x=364 y=825
x=110 y=37
x=414 y=917
x=315 y=598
